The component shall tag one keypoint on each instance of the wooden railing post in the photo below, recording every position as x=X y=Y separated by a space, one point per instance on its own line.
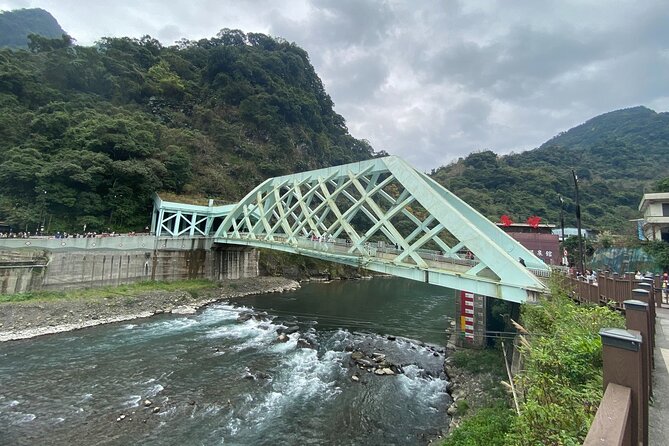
x=649 y=281
x=645 y=294
x=636 y=318
x=623 y=365
x=657 y=285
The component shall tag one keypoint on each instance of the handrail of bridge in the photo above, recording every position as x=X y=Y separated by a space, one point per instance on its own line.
x=343 y=246
x=613 y=422
x=622 y=420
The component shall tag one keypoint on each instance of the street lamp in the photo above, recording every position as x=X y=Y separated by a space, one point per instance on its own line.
x=578 y=225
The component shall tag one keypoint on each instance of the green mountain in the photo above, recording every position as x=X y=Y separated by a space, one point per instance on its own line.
x=16 y=26
x=88 y=133
x=617 y=157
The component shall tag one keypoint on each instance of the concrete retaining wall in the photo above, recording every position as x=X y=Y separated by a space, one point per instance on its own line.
x=89 y=268
x=20 y=279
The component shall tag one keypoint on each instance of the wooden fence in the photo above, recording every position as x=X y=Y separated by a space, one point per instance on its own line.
x=612 y=289
x=622 y=416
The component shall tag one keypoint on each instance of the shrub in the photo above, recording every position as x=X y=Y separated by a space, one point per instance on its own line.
x=561 y=383
x=486 y=428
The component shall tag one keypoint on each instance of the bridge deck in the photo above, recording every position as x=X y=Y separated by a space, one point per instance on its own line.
x=442 y=270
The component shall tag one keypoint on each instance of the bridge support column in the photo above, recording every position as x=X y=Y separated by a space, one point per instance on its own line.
x=234 y=262
x=471 y=321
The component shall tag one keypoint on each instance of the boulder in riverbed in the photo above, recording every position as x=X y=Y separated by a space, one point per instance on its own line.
x=185 y=309
x=303 y=343
x=244 y=316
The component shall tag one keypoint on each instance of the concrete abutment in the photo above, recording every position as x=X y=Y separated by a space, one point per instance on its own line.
x=31 y=269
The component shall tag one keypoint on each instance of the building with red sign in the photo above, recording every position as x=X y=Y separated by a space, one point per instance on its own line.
x=539 y=240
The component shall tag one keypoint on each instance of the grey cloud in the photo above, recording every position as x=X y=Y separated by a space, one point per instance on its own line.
x=434 y=80
x=169 y=33
x=14 y=4
x=356 y=79
x=339 y=23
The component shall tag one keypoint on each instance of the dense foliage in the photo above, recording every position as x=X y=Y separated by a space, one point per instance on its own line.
x=560 y=385
x=16 y=26
x=662 y=185
x=561 y=382
x=617 y=157
x=659 y=251
x=88 y=133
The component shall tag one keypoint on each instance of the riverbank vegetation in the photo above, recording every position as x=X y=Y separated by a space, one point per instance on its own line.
x=131 y=290
x=559 y=385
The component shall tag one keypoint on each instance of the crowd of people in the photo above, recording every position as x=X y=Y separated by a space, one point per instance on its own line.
x=589 y=276
x=59 y=235
x=14 y=234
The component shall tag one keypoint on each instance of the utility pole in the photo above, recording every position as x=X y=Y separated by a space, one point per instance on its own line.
x=44 y=213
x=561 y=218
x=578 y=226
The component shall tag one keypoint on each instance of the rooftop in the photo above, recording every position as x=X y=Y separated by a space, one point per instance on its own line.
x=653 y=197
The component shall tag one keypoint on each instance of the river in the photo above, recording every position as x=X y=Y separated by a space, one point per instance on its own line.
x=213 y=380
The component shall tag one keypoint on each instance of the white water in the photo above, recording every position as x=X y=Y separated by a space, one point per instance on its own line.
x=71 y=388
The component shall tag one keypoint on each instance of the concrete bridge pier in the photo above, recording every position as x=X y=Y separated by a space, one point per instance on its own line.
x=233 y=262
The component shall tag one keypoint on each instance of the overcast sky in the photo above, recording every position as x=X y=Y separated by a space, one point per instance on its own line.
x=432 y=81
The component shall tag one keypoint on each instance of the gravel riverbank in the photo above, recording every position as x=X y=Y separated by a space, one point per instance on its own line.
x=21 y=320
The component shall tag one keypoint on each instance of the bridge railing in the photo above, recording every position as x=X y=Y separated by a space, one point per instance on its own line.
x=622 y=417
x=627 y=354
x=383 y=251
x=371 y=249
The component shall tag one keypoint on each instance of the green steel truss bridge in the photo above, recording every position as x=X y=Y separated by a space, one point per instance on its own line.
x=382 y=215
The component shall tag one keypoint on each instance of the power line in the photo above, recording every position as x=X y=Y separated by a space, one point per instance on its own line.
x=362 y=323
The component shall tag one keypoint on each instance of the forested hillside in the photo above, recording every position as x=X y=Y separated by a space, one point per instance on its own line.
x=617 y=157
x=16 y=26
x=88 y=133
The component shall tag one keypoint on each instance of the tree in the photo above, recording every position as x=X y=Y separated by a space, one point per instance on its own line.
x=659 y=251
x=37 y=43
x=662 y=185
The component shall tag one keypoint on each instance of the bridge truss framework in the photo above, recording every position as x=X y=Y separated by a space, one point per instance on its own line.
x=381 y=215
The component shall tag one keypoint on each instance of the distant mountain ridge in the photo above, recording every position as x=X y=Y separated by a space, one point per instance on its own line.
x=617 y=156
x=15 y=26
x=615 y=124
